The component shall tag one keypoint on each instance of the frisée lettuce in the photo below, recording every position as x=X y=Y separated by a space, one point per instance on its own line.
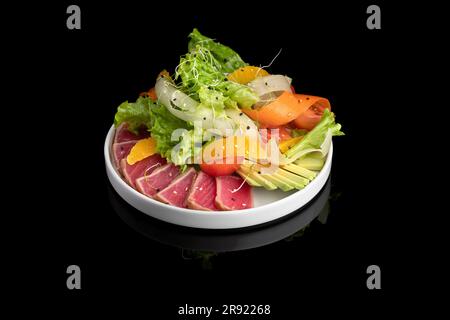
x=228 y=59
x=200 y=69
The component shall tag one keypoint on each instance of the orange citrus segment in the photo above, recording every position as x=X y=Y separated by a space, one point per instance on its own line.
x=286 y=144
x=246 y=74
x=142 y=149
x=235 y=147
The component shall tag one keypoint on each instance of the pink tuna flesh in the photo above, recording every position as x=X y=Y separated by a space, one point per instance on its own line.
x=123 y=135
x=203 y=193
x=158 y=180
x=141 y=168
x=121 y=150
x=233 y=193
x=176 y=192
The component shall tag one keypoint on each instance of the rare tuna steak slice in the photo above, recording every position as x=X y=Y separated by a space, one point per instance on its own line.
x=176 y=192
x=123 y=135
x=157 y=180
x=233 y=193
x=141 y=168
x=121 y=150
x=203 y=193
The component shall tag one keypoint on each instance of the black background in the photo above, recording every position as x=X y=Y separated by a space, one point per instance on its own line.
x=79 y=77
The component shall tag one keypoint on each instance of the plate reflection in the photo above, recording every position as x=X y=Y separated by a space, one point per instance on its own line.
x=223 y=240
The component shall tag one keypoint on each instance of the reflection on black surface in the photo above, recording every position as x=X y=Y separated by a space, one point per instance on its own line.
x=192 y=239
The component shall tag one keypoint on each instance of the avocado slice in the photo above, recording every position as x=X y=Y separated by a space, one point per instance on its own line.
x=311 y=162
x=257 y=178
x=299 y=182
x=308 y=174
x=282 y=179
x=286 y=180
x=279 y=181
x=248 y=178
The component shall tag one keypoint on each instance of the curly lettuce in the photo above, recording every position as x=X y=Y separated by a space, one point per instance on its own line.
x=200 y=69
x=228 y=59
x=136 y=114
x=163 y=125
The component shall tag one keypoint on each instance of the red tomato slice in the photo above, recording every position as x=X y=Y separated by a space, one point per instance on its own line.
x=151 y=93
x=283 y=133
x=309 y=119
x=219 y=169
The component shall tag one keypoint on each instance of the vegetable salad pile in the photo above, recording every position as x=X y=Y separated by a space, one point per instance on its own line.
x=227 y=117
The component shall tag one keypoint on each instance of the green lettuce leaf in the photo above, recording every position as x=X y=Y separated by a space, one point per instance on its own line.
x=136 y=114
x=188 y=150
x=241 y=94
x=213 y=99
x=198 y=68
x=227 y=57
x=160 y=122
x=163 y=125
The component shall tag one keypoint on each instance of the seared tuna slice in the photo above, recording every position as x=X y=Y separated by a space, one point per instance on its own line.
x=121 y=150
x=141 y=168
x=233 y=193
x=123 y=135
x=203 y=193
x=157 y=180
x=176 y=192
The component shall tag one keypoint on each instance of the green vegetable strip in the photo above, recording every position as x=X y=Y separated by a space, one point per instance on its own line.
x=315 y=138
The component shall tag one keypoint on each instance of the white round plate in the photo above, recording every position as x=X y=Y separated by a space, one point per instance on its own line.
x=268 y=205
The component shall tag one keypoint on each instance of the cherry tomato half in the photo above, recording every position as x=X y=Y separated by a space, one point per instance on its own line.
x=219 y=169
x=309 y=119
x=283 y=133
